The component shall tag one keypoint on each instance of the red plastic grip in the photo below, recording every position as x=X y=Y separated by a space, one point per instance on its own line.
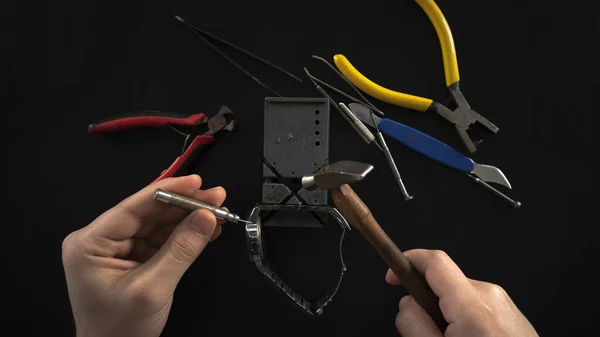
x=183 y=160
x=143 y=121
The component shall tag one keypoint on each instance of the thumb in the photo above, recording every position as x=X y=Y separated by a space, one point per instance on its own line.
x=182 y=248
x=413 y=321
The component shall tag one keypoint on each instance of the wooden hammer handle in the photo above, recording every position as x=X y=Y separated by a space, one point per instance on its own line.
x=359 y=215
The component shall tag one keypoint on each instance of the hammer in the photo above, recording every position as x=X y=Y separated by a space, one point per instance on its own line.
x=336 y=177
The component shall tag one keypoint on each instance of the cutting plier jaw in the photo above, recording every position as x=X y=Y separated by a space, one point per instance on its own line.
x=463 y=117
x=223 y=120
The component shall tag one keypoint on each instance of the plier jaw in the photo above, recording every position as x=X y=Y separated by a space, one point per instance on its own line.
x=201 y=132
x=463 y=117
x=223 y=120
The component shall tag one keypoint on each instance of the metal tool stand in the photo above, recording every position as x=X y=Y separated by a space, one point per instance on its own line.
x=296 y=143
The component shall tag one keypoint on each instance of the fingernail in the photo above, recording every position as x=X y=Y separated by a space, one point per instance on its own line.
x=202 y=224
x=216 y=188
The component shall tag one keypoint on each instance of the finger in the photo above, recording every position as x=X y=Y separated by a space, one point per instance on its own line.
x=142 y=251
x=391 y=278
x=216 y=233
x=412 y=320
x=221 y=222
x=124 y=220
x=160 y=236
x=219 y=228
x=445 y=279
x=214 y=196
x=112 y=264
x=99 y=246
x=173 y=216
x=122 y=248
x=182 y=248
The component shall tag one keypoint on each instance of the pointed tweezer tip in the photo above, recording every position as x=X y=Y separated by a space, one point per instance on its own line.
x=310 y=77
x=179 y=19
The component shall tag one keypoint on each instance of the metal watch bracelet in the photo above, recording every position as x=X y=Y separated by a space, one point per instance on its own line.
x=256 y=248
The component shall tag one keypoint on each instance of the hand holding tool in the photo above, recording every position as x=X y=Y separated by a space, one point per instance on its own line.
x=156 y=119
x=436 y=150
x=336 y=178
x=462 y=117
x=191 y=205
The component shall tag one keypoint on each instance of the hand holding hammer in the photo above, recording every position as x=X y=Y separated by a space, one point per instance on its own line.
x=336 y=177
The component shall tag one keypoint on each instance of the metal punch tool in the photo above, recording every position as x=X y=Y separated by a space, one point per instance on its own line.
x=191 y=205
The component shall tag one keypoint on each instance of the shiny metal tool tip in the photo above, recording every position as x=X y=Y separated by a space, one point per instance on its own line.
x=191 y=205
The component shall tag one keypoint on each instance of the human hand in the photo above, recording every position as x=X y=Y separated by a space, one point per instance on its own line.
x=122 y=269
x=472 y=308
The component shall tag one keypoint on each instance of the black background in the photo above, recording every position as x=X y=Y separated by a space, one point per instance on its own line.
x=530 y=67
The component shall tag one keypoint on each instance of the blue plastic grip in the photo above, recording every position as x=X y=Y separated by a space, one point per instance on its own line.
x=426 y=145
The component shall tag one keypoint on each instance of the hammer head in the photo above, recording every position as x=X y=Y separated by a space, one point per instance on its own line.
x=336 y=175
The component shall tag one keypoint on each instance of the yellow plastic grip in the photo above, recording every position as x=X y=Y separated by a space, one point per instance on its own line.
x=446 y=41
x=377 y=91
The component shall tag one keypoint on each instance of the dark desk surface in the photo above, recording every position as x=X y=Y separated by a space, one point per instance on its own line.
x=530 y=68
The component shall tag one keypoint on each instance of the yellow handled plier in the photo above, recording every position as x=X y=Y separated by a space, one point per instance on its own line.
x=462 y=117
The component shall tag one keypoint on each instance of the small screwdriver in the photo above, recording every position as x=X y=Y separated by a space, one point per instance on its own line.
x=191 y=205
